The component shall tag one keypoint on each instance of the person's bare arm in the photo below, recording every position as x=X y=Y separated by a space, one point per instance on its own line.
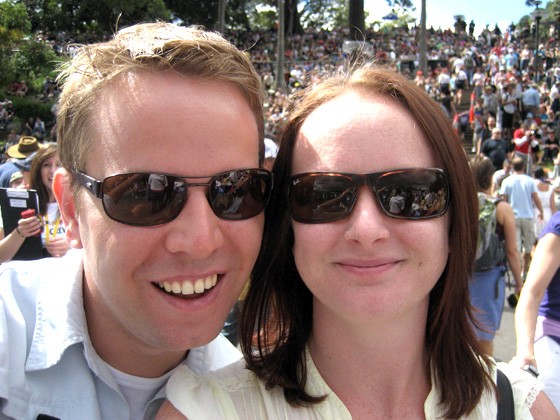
x=543 y=409
x=506 y=218
x=10 y=245
x=545 y=263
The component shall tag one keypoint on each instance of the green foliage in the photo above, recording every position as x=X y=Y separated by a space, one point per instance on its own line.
x=13 y=17
x=263 y=18
x=326 y=14
x=28 y=107
x=84 y=18
x=197 y=12
x=33 y=62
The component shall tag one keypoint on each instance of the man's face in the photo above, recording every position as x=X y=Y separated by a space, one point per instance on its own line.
x=188 y=127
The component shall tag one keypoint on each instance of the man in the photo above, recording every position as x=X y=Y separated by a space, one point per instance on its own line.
x=551 y=145
x=531 y=101
x=97 y=333
x=520 y=191
x=491 y=100
x=500 y=175
x=485 y=133
x=495 y=148
x=26 y=146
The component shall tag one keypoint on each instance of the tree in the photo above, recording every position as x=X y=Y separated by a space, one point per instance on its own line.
x=13 y=17
x=356 y=20
x=79 y=17
x=422 y=44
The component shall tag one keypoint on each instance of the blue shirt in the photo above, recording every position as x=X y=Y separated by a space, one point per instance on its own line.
x=47 y=362
x=531 y=97
x=6 y=171
x=519 y=189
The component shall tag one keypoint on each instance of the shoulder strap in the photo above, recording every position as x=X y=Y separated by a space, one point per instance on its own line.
x=506 y=409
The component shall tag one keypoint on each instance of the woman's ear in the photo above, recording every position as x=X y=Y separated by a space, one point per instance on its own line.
x=62 y=189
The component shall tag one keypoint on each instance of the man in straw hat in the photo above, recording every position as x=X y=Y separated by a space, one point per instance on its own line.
x=26 y=146
x=147 y=287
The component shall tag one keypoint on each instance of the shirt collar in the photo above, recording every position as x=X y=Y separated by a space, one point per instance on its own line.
x=60 y=318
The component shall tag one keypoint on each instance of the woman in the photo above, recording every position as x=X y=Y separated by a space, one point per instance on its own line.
x=487 y=288
x=371 y=316
x=509 y=107
x=27 y=226
x=44 y=165
x=537 y=316
x=546 y=193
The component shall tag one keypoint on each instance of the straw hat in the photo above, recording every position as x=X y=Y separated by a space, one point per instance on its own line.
x=26 y=146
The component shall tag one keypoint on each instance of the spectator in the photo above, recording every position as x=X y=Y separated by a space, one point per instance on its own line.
x=519 y=190
x=4 y=119
x=537 y=323
x=496 y=241
x=546 y=195
x=28 y=127
x=500 y=175
x=27 y=226
x=147 y=292
x=530 y=100
x=44 y=165
x=491 y=100
x=16 y=180
x=22 y=89
x=495 y=148
x=39 y=128
x=25 y=147
x=461 y=83
x=508 y=109
x=551 y=145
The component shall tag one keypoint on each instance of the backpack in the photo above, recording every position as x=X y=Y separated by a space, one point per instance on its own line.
x=469 y=62
x=489 y=244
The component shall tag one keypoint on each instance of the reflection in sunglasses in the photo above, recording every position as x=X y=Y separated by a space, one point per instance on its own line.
x=406 y=193
x=147 y=199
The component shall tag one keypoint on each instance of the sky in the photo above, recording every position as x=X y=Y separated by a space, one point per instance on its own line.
x=439 y=13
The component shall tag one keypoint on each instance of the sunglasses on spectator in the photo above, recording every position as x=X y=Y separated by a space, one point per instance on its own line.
x=413 y=194
x=149 y=199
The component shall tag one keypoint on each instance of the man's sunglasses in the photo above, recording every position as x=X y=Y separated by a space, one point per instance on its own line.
x=321 y=197
x=148 y=199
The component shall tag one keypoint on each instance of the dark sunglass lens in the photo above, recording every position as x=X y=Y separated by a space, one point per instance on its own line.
x=413 y=194
x=143 y=199
x=317 y=198
x=239 y=195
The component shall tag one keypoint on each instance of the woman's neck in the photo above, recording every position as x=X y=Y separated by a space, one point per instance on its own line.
x=378 y=368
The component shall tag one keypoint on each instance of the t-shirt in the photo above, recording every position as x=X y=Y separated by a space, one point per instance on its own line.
x=519 y=189
x=52 y=224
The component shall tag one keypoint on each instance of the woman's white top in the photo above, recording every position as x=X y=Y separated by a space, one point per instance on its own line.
x=236 y=393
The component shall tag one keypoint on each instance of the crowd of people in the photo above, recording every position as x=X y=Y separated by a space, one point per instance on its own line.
x=158 y=239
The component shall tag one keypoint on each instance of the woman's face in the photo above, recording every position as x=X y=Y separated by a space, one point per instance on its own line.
x=48 y=168
x=367 y=267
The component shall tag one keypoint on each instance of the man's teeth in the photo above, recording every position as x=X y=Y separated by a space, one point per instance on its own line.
x=190 y=287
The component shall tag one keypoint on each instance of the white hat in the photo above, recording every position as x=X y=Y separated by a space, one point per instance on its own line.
x=270 y=149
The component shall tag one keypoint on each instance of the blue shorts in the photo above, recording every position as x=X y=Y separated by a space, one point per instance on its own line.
x=488 y=290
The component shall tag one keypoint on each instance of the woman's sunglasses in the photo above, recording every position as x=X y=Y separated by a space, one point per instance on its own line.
x=415 y=194
x=148 y=199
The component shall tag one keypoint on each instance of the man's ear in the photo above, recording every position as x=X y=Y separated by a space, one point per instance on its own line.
x=62 y=189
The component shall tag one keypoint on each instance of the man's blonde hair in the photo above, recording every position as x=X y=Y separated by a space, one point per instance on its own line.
x=153 y=47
